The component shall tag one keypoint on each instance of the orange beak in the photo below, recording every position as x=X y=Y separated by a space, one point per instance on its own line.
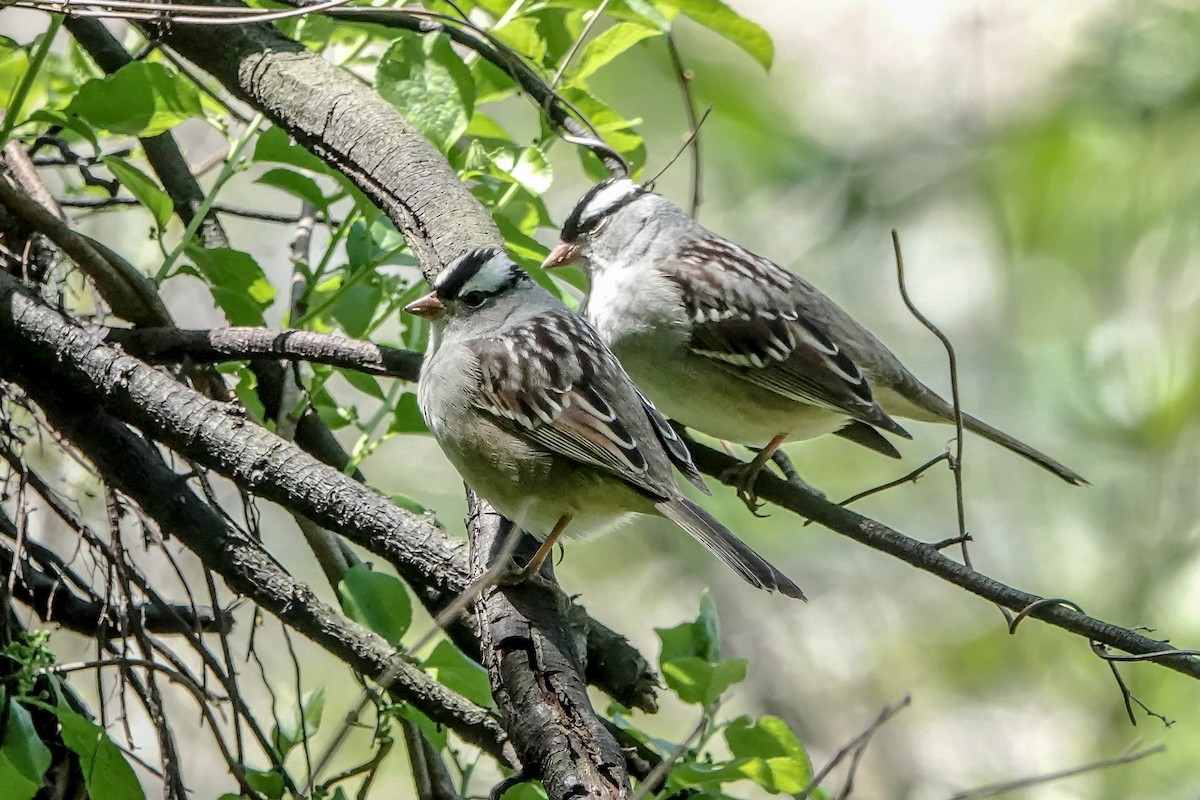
x=564 y=253
x=429 y=307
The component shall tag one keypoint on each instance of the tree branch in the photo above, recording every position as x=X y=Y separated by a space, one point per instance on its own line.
x=133 y=467
x=926 y=557
x=375 y=359
x=53 y=601
x=162 y=151
x=169 y=345
x=535 y=658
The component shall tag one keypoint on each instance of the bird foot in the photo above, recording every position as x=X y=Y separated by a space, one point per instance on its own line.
x=743 y=477
x=515 y=574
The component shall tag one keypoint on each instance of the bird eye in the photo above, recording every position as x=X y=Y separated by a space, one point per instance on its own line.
x=474 y=299
x=597 y=225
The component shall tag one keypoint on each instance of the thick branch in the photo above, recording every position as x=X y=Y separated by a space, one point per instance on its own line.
x=218 y=437
x=132 y=466
x=535 y=659
x=403 y=363
x=349 y=126
x=168 y=345
x=926 y=557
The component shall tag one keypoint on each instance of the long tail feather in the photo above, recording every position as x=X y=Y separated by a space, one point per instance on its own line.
x=753 y=568
x=1017 y=446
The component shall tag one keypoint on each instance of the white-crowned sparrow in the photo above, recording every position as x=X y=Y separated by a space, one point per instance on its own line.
x=733 y=345
x=539 y=418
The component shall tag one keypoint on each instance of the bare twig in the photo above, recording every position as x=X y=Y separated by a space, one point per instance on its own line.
x=1025 y=783
x=657 y=775
x=684 y=76
x=910 y=477
x=956 y=462
x=583 y=35
x=855 y=745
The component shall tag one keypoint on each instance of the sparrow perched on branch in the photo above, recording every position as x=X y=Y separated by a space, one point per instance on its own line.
x=541 y=420
x=735 y=346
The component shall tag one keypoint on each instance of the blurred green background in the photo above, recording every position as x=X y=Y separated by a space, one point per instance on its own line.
x=1042 y=165
x=1041 y=162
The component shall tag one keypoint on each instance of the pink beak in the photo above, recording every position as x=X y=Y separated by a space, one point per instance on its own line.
x=564 y=253
x=428 y=306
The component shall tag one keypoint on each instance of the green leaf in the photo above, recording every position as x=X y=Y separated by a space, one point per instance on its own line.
x=367 y=384
x=431 y=86
x=721 y=19
x=408 y=504
x=106 y=773
x=522 y=35
x=436 y=734
x=407 y=417
x=608 y=45
x=239 y=286
x=700 y=638
x=356 y=307
x=274 y=144
x=646 y=10
x=299 y=721
x=779 y=774
x=697 y=681
x=532 y=170
x=143 y=187
x=702 y=774
x=297 y=185
x=376 y=600
x=616 y=130
x=268 y=782
x=24 y=758
x=767 y=737
x=455 y=671
x=525 y=791
x=246 y=389
x=14 y=63
x=140 y=99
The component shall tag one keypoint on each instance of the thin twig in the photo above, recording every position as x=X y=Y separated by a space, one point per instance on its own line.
x=659 y=773
x=583 y=35
x=956 y=463
x=910 y=477
x=684 y=76
x=1025 y=783
x=857 y=743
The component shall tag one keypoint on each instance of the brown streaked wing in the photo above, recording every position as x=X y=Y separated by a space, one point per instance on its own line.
x=541 y=381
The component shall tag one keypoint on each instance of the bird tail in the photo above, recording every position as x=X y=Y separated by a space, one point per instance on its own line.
x=920 y=402
x=753 y=568
x=1001 y=438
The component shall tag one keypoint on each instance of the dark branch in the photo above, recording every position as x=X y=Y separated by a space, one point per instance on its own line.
x=53 y=601
x=163 y=345
x=218 y=437
x=925 y=556
x=535 y=660
x=133 y=467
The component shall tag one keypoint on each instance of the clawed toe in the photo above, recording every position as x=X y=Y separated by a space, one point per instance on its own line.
x=743 y=477
x=515 y=574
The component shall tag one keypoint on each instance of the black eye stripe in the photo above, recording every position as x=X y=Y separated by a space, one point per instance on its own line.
x=577 y=225
x=455 y=276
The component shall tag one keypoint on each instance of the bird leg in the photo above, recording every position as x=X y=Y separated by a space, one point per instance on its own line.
x=530 y=570
x=744 y=476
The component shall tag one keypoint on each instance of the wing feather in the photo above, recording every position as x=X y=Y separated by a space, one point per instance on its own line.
x=745 y=317
x=552 y=381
